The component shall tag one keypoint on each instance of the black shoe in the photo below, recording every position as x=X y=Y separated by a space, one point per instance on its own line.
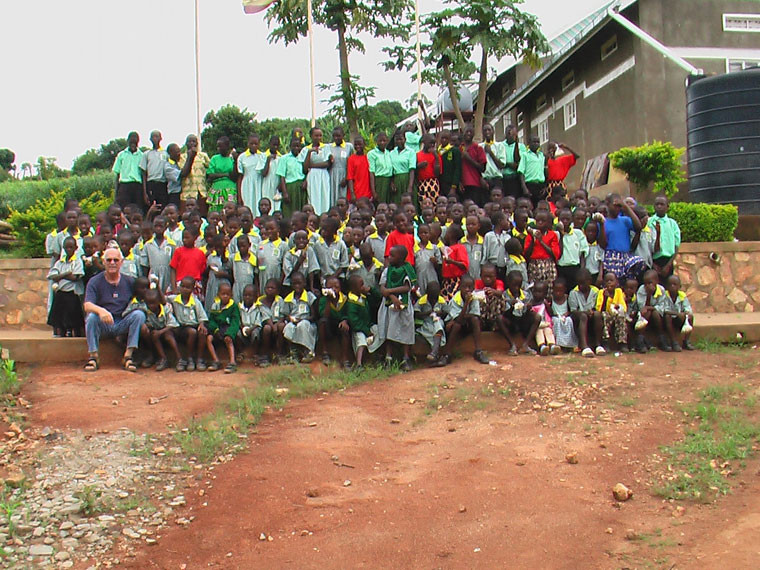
x=665 y=345
x=688 y=346
x=406 y=365
x=480 y=356
x=640 y=345
x=676 y=347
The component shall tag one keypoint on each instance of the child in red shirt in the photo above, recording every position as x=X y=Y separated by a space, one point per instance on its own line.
x=401 y=236
x=357 y=174
x=456 y=262
x=188 y=261
x=542 y=251
x=429 y=166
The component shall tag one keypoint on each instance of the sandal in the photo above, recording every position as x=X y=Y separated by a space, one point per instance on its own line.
x=308 y=357
x=230 y=368
x=406 y=365
x=326 y=359
x=129 y=365
x=346 y=365
x=214 y=366
x=443 y=361
x=91 y=365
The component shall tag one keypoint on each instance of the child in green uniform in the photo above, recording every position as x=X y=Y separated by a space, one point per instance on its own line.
x=292 y=180
x=332 y=319
x=221 y=173
x=381 y=171
x=358 y=314
x=223 y=325
x=404 y=163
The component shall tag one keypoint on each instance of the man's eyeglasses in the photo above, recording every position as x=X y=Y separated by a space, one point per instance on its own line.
x=107 y=260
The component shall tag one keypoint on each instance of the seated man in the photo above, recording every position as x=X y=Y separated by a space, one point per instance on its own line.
x=107 y=296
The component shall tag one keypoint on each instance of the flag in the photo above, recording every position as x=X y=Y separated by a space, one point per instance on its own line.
x=255 y=6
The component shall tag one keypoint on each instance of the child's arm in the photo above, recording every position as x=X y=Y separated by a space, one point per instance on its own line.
x=602 y=237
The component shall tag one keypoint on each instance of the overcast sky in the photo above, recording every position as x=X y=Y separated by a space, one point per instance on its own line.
x=81 y=72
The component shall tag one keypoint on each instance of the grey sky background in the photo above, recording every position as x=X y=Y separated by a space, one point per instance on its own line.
x=85 y=71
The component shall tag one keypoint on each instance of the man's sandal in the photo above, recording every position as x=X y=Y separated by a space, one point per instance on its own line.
x=129 y=364
x=91 y=365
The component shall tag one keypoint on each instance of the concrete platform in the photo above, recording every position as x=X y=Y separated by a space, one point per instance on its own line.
x=39 y=347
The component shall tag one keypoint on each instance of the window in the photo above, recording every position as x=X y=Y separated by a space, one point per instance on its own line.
x=609 y=47
x=741 y=22
x=568 y=80
x=741 y=64
x=521 y=136
x=541 y=103
x=571 y=114
x=543 y=132
x=520 y=119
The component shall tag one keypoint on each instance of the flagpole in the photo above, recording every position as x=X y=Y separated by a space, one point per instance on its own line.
x=310 y=22
x=419 y=58
x=197 y=72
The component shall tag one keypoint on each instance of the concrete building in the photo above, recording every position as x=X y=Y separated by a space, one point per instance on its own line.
x=604 y=87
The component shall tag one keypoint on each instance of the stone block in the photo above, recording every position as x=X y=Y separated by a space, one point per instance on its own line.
x=38 y=315
x=38 y=284
x=706 y=276
x=11 y=284
x=737 y=296
x=14 y=317
x=29 y=298
x=748 y=308
x=4 y=300
x=741 y=256
x=743 y=273
x=687 y=259
x=685 y=277
x=726 y=274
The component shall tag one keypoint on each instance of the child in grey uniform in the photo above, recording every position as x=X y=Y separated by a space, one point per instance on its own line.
x=243 y=268
x=268 y=324
x=395 y=317
x=299 y=313
x=427 y=258
x=158 y=252
x=300 y=259
x=429 y=314
x=332 y=252
x=270 y=253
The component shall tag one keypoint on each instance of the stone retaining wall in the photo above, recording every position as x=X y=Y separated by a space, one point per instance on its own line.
x=726 y=284
x=721 y=277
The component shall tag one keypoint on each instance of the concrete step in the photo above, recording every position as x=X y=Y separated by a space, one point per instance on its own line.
x=39 y=347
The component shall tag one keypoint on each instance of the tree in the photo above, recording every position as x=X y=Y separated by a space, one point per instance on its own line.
x=7 y=158
x=231 y=121
x=348 y=19
x=98 y=159
x=497 y=27
x=657 y=162
x=47 y=168
x=383 y=116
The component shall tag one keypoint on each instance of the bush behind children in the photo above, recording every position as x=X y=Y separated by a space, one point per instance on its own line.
x=227 y=265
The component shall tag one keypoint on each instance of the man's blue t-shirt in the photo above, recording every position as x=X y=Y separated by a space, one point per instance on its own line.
x=618 y=233
x=113 y=298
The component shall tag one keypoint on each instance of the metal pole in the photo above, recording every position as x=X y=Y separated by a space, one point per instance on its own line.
x=197 y=72
x=419 y=58
x=311 y=64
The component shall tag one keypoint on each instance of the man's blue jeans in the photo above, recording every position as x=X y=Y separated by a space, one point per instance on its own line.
x=129 y=325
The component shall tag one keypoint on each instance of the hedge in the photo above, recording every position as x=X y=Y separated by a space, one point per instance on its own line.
x=20 y=195
x=705 y=222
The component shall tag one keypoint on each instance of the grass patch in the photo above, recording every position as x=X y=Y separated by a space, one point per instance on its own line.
x=10 y=501
x=715 y=346
x=225 y=430
x=628 y=401
x=9 y=380
x=723 y=428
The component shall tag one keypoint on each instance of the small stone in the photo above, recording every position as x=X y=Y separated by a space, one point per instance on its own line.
x=69 y=542
x=395 y=421
x=572 y=458
x=621 y=492
x=312 y=493
x=554 y=405
x=49 y=540
x=608 y=530
x=347 y=483
x=262 y=536
x=305 y=532
x=631 y=534
x=312 y=424
x=66 y=525
x=158 y=449
x=15 y=478
x=63 y=555
x=128 y=532
x=462 y=509
x=66 y=564
x=40 y=550
x=412 y=400
x=38 y=532
x=679 y=511
x=151 y=541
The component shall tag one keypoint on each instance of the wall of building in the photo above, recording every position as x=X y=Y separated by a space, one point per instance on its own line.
x=23 y=293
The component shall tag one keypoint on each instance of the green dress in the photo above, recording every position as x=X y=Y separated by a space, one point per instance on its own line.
x=222 y=189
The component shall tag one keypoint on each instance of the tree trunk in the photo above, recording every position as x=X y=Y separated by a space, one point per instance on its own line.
x=345 y=84
x=453 y=95
x=480 y=109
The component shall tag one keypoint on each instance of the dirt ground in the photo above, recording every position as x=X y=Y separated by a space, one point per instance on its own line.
x=462 y=467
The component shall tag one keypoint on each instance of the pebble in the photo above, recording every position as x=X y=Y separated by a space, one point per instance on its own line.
x=40 y=550
x=63 y=555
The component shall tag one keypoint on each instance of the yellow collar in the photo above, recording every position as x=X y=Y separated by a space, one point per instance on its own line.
x=68 y=259
x=356 y=298
x=341 y=145
x=517 y=258
x=444 y=149
x=275 y=243
x=244 y=308
x=592 y=289
x=172 y=161
x=418 y=247
x=161 y=312
x=190 y=301
x=269 y=153
x=521 y=297
x=260 y=300
x=377 y=263
x=292 y=295
x=658 y=291
x=517 y=233
x=424 y=299
x=251 y=258
x=167 y=239
x=457 y=298
x=341 y=301
x=131 y=255
x=466 y=241
x=218 y=301
x=249 y=153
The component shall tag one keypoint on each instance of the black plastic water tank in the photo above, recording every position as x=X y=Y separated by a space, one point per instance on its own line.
x=723 y=131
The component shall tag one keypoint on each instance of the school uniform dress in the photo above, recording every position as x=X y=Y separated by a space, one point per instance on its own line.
x=290 y=168
x=657 y=300
x=580 y=302
x=222 y=189
x=127 y=166
x=250 y=165
x=190 y=313
x=317 y=179
x=518 y=310
x=532 y=168
x=363 y=332
x=309 y=265
x=428 y=320
x=456 y=306
x=265 y=314
x=164 y=318
x=130 y=266
x=426 y=271
x=397 y=325
x=297 y=313
x=594 y=259
x=494 y=250
x=403 y=161
x=475 y=255
x=645 y=247
x=269 y=258
x=215 y=261
x=370 y=275
x=194 y=184
x=339 y=170
x=248 y=317
x=518 y=263
x=157 y=258
x=224 y=319
x=564 y=331
x=332 y=257
x=381 y=166
x=66 y=310
x=173 y=176
x=378 y=244
x=253 y=237
x=271 y=182
x=243 y=272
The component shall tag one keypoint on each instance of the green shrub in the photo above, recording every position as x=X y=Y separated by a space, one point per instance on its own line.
x=21 y=194
x=705 y=222
x=32 y=225
x=657 y=162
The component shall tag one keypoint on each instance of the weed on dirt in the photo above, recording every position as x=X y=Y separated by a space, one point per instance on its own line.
x=723 y=428
x=226 y=430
